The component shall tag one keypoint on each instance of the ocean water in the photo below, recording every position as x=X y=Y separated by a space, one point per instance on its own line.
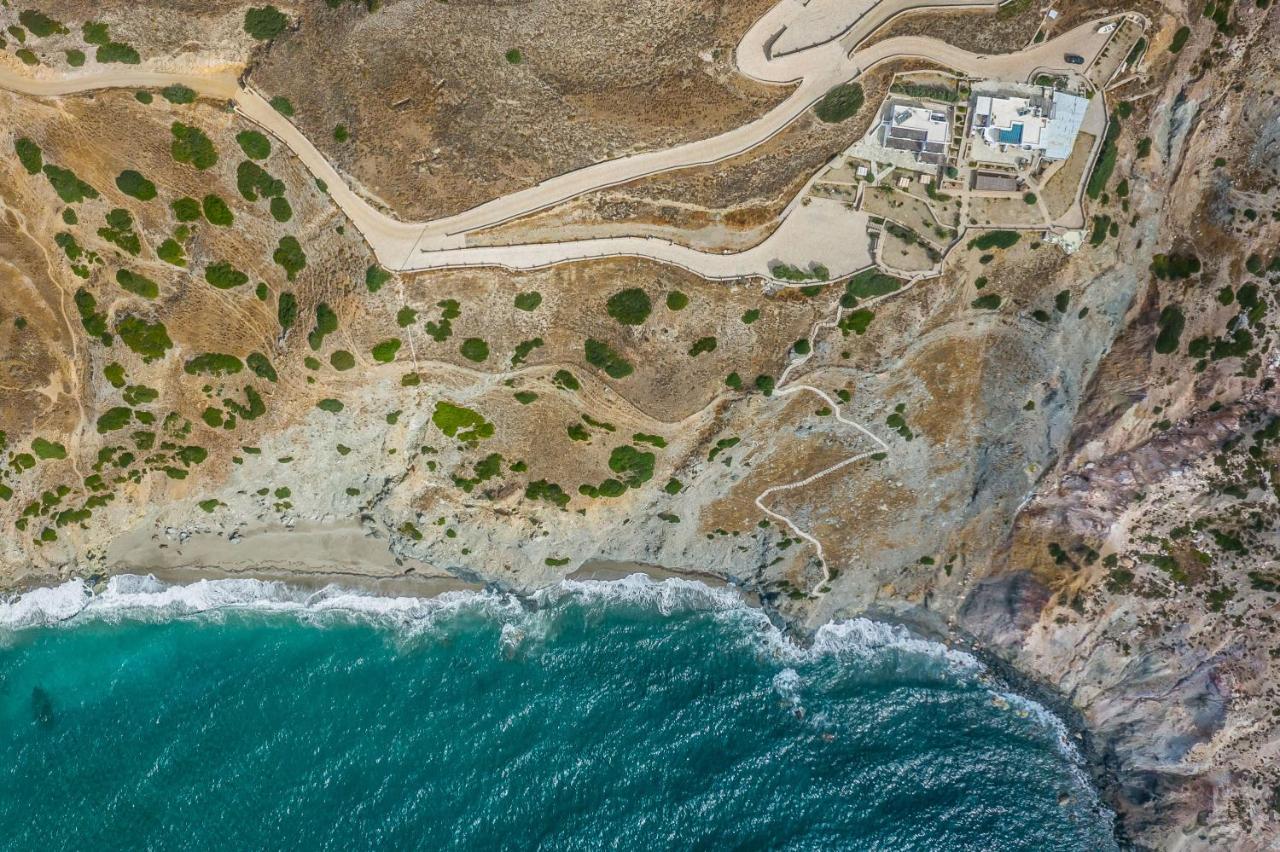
x=629 y=715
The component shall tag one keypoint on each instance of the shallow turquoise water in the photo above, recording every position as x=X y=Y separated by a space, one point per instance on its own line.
x=632 y=716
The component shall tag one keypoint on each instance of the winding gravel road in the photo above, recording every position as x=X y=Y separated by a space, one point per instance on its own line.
x=442 y=242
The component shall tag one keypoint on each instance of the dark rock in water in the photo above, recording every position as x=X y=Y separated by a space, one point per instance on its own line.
x=41 y=707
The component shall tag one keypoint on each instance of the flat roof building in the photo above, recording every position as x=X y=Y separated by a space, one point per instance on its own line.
x=1047 y=122
x=919 y=130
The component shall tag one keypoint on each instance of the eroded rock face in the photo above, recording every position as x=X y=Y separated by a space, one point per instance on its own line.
x=1000 y=610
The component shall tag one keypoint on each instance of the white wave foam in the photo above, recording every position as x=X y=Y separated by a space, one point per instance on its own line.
x=864 y=636
x=787 y=684
x=132 y=597
x=669 y=595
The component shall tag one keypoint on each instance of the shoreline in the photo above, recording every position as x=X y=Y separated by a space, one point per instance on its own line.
x=425 y=586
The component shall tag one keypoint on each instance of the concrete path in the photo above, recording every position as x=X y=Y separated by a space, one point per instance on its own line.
x=442 y=242
x=822 y=231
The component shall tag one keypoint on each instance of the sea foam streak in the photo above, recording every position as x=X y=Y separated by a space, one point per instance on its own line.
x=144 y=598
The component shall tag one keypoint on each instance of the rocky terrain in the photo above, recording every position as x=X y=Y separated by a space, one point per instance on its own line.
x=203 y=368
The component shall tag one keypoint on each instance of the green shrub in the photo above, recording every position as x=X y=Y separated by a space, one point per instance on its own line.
x=75 y=58
x=1100 y=225
x=340 y=133
x=841 y=103
x=261 y=366
x=995 y=239
x=27 y=56
x=113 y=419
x=765 y=384
x=514 y=56
x=45 y=449
x=255 y=145
x=546 y=491
x=333 y=406
x=40 y=24
x=406 y=317
x=177 y=93
x=1175 y=266
x=114 y=373
x=677 y=301
x=374 y=277
x=280 y=209
x=132 y=183
x=217 y=211
x=528 y=301
x=253 y=181
x=474 y=349
x=461 y=423
x=385 y=352
x=115 y=51
x=185 y=209
x=171 y=251
x=95 y=32
x=1171 y=324
x=525 y=397
x=733 y=380
x=630 y=306
x=94 y=322
x=565 y=380
x=1106 y=163
x=673 y=486
x=601 y=356
x=70 y=188
x=326 y=324
x=287 y=311
x=149 y=340
x=282 y=105
x=989 y=302
x=29 y=154
x=139 y=285
x=1179 y=40
x=342 y=360
x=523 y=348
x=635 y=467
x=224 y=276
x=856 y=321
x=751 y=315
x=213 y=364
x=290 y=256
x=191 y=146
x=265 y=23
x=868 y=284
x=702 y=344
x=120 y=231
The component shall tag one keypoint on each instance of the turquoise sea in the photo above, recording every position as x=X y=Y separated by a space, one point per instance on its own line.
x=237 y=714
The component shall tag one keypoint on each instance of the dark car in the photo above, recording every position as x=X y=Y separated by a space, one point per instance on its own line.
x=1074 y=59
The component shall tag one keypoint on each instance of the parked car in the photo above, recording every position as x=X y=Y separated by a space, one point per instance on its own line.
x=1074 y=59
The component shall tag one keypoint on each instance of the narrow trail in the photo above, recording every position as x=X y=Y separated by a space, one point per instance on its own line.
x=785 y=389
x=73 y=373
